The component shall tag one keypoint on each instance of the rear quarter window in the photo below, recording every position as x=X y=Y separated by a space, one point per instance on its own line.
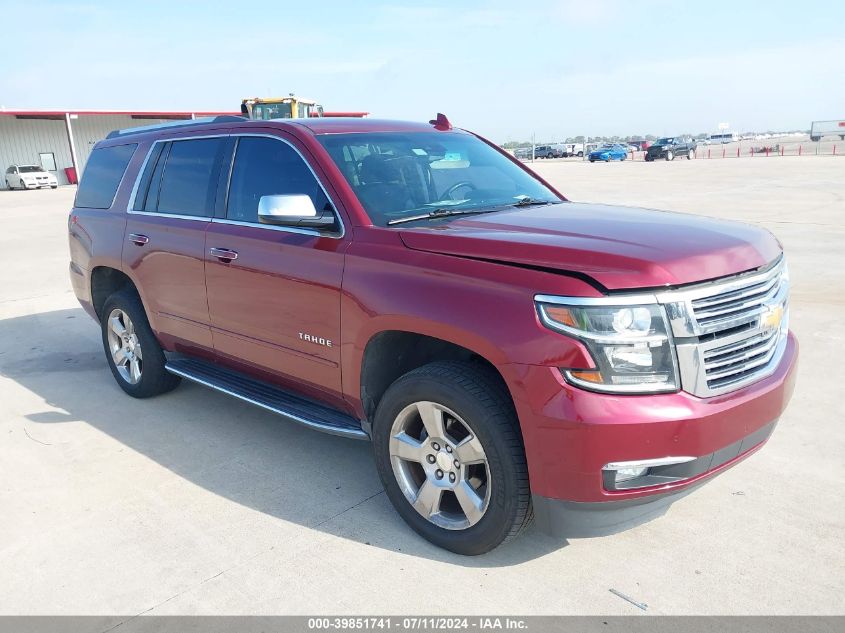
x=102 y=176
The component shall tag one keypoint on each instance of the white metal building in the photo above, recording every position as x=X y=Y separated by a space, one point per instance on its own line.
x=61 y=139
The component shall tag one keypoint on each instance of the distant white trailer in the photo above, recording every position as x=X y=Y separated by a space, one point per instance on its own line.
x=723 y=137
x=818 y=129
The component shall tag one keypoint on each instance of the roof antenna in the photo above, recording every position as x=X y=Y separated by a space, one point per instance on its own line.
x=441 y=122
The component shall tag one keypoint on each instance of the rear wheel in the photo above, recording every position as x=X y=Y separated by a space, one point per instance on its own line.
x=134 y=355
x=450 y=456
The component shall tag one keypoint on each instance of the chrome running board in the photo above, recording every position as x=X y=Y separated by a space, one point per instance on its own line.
x=261 y=394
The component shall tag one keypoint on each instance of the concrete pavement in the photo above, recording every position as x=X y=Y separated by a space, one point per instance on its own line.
x=196 y=503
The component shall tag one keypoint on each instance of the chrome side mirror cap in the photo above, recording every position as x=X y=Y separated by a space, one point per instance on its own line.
x=294 y=210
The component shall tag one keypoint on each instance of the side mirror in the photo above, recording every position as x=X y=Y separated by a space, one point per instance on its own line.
x=294 y=210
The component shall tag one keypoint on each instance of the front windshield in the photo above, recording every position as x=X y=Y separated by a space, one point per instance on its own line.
x=29 y=169
x=403 y=174
x=664 y=141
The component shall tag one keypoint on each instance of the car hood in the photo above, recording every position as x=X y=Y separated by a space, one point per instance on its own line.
x=619 y=247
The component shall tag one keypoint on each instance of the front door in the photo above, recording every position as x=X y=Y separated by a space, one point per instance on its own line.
x=165 y=238
x=274 y=292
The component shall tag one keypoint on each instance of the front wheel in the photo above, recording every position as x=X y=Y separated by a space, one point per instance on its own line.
x=134 y=355
x=450 y=455
x=670 y=155
x=690 y=155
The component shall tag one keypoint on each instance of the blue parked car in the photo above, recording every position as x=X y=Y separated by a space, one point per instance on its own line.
x=608 y=152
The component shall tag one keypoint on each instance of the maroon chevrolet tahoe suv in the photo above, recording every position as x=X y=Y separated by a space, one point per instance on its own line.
x=509 y=354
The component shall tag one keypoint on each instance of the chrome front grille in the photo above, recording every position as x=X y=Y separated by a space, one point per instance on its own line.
x=732 y=363
x=724 y=309
x=731 y=332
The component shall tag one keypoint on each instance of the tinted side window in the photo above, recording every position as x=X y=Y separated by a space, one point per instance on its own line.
x=265 y=166
x=102 y=176
x=143 y=191
x=189 y=178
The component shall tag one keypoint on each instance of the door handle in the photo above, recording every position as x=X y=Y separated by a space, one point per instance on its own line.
x=225 y=255
x=138 y=239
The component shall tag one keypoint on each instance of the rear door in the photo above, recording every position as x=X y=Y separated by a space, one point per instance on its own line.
x=275 y=306
x=165 y=237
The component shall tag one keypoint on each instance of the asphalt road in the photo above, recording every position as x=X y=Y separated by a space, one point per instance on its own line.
x=196 y=503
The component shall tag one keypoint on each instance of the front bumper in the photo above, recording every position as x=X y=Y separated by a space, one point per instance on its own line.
x=39 y=185
x=584 y=519
x=571 y=434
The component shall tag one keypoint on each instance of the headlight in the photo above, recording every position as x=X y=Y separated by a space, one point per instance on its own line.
x=629 y=343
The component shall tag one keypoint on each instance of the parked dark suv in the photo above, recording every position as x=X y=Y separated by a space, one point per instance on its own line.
x=509 y=353
x=671 y=147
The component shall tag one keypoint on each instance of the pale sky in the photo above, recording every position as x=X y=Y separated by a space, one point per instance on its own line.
x=557 y=68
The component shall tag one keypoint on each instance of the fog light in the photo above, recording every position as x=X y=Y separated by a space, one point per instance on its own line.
x=641 y=473
x=626 y=474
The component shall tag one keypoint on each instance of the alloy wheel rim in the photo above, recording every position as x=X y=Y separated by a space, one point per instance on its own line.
x=440 y=465
x=124 y=346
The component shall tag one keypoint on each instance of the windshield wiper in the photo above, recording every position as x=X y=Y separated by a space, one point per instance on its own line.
x=527 y=201
x=437 y=213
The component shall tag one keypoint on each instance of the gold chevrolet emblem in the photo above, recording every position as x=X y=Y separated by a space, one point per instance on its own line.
x=772 y=318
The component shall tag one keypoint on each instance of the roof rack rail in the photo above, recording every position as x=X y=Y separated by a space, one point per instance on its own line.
x=223 y=118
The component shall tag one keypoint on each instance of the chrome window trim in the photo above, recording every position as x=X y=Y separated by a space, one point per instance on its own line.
x=271 y=227
x=199 y=218
x=210 y=218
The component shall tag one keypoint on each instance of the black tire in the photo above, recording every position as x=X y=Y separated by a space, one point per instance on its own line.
x=54 y=186
x=592 y=160
x=155 y=379
x=670 y=155
x=690 y=154
x=477 y=395
x=9 y=185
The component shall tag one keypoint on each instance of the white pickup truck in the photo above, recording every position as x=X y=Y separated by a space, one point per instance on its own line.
x=572 y=149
